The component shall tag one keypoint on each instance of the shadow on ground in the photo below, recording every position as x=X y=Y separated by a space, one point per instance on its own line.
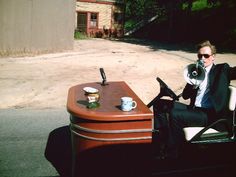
x=169 y=46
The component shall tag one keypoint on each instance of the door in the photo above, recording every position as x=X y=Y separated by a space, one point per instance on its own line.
x=82 y=22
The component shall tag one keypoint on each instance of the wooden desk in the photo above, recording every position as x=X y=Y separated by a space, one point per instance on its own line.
x=106 y=125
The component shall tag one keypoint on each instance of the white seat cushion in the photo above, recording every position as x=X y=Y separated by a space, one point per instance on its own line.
x=192 y=131
x=232 y=98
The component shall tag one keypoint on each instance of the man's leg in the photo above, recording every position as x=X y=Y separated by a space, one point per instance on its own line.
x=170 y=119
x=160 y=109
x=161 y=133
x=180 y=118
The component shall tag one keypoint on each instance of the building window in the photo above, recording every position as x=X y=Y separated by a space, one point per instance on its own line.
x=93 y=20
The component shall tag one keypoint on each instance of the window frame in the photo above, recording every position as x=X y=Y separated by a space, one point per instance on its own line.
x=91 y=21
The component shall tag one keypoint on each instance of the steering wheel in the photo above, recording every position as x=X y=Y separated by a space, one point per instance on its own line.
x=164 y=91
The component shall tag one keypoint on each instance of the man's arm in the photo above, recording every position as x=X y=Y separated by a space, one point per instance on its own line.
x=188 y=91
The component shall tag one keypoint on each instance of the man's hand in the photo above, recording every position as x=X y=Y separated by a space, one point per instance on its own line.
x=194 y=83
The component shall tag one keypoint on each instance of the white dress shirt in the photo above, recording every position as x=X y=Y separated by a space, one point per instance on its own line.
x=202 y=98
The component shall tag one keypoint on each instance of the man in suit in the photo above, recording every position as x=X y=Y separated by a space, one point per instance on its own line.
x=208 y=101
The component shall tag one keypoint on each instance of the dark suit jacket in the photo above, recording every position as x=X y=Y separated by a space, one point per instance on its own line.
x=219 y=80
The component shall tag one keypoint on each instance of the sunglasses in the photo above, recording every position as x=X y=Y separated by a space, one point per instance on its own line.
x=203 y=55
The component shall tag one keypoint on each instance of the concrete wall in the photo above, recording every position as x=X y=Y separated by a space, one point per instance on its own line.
x=36 y=26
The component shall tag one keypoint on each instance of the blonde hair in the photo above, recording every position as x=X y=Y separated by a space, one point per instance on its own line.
x=207 y=43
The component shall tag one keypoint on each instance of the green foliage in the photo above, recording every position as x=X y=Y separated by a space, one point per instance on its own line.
x=199 y=5
x=79 y=35
x=185 y=6
x=140 y=9
x=203 y=4
x=130 y=24
x=185 y=20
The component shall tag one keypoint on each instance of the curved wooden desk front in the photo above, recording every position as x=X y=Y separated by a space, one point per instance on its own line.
x=106 y=125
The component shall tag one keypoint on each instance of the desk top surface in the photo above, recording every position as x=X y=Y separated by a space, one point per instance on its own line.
x=109 y=109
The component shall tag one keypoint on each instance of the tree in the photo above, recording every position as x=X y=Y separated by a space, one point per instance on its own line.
x=140 y=9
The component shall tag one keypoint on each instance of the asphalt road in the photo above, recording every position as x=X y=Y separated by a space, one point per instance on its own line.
x=23 y=135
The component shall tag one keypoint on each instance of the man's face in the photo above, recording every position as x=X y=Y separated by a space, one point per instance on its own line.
x=205 y=54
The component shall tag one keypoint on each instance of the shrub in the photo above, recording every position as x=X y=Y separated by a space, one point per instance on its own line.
x=79 y=35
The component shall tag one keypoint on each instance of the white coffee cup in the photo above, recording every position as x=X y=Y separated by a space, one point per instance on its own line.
x=127 y=104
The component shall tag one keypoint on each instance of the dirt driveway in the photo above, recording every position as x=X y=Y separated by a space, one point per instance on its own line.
x=43 y=81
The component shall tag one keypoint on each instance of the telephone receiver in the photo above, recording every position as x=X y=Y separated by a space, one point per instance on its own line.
x=104 y=78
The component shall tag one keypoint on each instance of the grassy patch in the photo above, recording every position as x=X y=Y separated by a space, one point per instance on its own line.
x=79 y=35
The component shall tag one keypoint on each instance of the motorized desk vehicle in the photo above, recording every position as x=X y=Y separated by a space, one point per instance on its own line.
x=204 y=155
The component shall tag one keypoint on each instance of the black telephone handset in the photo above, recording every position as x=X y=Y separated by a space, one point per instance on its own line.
x=104 y=78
